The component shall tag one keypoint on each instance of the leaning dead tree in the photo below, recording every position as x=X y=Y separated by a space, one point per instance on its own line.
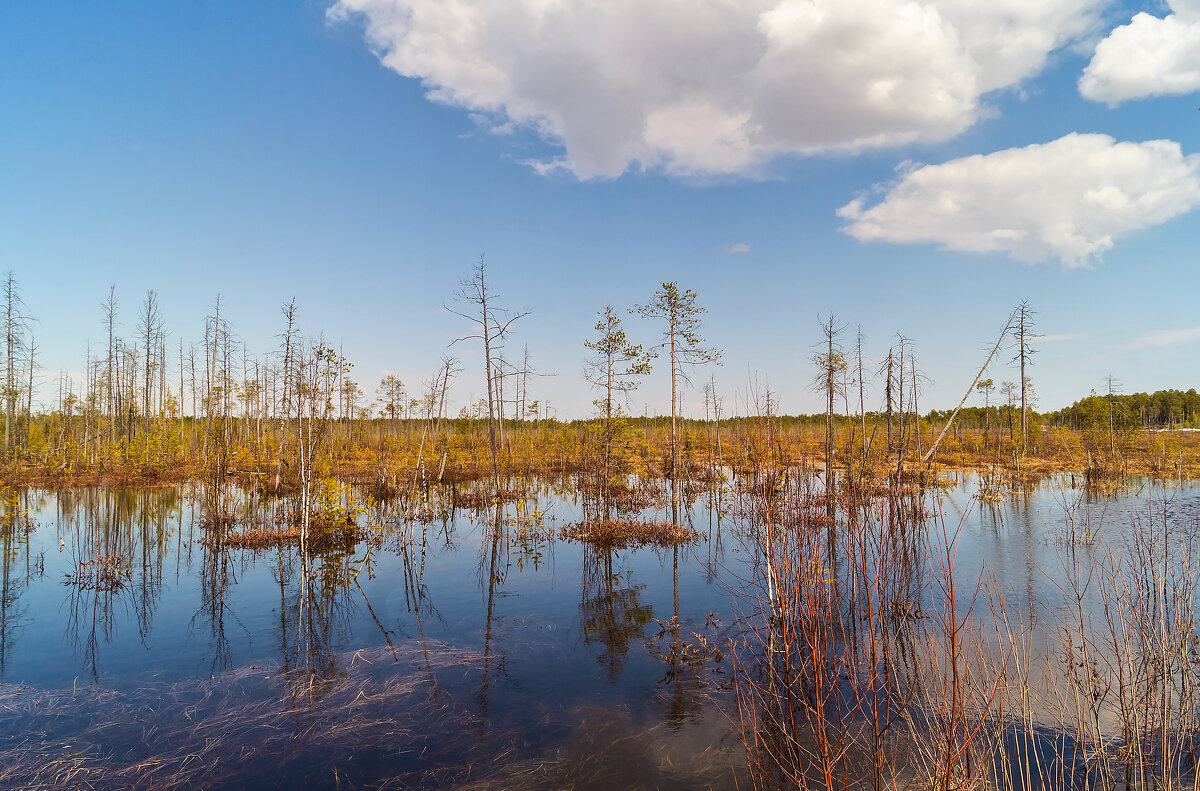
x=1013 y=319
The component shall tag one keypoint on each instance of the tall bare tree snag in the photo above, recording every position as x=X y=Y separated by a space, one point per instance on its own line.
x=1009 y=391
x=714 y=402
x=986 y=386
x=900 y=436
x=14 y=329
x=150 y=333
x=216 y=400
x=31 y=350
x=862 y=409
x=110 y=321
x=492 y=325
x=682 y=338
x=887 y=390
x=1112 y=386
x=831 y=363
x=449 y=370
x=431 y=405
x=1023 y=336
x=286 y=377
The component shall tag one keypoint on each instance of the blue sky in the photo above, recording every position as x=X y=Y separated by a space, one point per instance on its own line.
x=271 y=150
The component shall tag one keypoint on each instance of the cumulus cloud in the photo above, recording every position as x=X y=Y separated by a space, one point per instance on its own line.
x=1068 y=199
x=740 y=247
x=713 y=87
x=1151 y=56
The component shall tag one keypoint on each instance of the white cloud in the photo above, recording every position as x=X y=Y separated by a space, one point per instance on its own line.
x=740 y=247
x=1063 y=337
x=1161 y=338
x=1068 y=199
x=1151 y=56
x=712 y=87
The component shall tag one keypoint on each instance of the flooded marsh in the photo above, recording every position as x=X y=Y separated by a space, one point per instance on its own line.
x=1013 y=642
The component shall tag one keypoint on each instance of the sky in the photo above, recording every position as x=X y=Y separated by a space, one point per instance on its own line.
x=914 y=167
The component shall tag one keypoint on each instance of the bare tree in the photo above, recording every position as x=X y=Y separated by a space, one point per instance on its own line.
x=110 y=320
x=32 y=354
x=14 y=329
x=862 y=410
x=986 y=386
x=888 y=371
x=1009 y=392
x=830 y=362
x=1023 y=336
x=1112 y=386
x=289 y=344
x=149 y=331
x=492 y=326
x=449 y=370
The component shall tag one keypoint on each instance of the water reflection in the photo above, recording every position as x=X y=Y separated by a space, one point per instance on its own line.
x=472 y=604
x=216 y=576
x=115 y=544
x=612 y=613
x=18 y=567
x=497 y=571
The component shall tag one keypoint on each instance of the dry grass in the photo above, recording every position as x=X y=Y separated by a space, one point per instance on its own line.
x=627 y=533
x=321 y=536
x=476 y=499
x=258 y=537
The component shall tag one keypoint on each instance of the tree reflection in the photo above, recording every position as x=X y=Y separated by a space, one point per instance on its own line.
x=316 y=609
x=216 y=576
x=416 y=592
x=496 y=573
x=118 y=541
x=611 y=611
x=15 y=527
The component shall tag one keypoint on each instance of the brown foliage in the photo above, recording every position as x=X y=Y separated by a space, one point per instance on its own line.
x=628 y=533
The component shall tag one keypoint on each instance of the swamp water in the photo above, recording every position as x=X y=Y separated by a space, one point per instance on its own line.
x=438 y=653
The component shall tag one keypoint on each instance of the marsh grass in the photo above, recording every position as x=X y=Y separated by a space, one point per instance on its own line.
x=867 y=661
x=321 y=537
x=629 y=533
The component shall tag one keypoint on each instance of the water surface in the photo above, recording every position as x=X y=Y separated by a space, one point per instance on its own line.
x=441 y=653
